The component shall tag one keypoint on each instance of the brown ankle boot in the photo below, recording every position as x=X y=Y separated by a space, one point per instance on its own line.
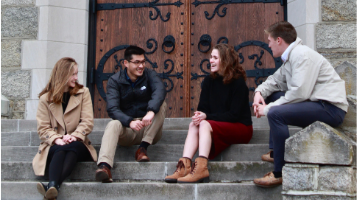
x=199 y=172
x=183 y=168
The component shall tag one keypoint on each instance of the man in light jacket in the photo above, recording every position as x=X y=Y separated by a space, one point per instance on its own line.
x=135 y=102
x=305 y=89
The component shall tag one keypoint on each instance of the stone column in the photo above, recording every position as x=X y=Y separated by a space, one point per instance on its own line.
x=321 y=164
x=63 y=32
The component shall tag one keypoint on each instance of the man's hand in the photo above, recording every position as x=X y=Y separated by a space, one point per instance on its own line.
x=198 y=117
x=136 y=125
x=258 y=100
x=147 y=119
x=60 y=142
x=260 y=110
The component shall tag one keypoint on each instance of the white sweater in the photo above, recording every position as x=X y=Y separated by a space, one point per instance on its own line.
x=305 y=75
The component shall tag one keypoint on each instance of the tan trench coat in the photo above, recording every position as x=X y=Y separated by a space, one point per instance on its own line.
x=52 y=123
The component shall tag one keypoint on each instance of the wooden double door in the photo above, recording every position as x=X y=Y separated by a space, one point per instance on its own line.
x=178 y=37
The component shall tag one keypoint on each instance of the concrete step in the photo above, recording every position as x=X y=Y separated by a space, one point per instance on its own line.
x=143 y=190
x=160 y=152
x=31 y=138
x=15 y=125
x=150 y=171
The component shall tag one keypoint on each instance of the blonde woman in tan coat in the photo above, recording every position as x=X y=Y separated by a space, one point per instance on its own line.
x=64 y=119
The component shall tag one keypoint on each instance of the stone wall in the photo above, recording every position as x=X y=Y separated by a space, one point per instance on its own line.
x=19 y=21
x=336 y=39
x=322 y=165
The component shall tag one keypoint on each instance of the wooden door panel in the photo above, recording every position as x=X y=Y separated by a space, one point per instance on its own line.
x=241 y=23
x=132 y=26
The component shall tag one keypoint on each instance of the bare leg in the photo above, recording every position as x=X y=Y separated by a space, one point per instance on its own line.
x=205 y=131
x=192 y=141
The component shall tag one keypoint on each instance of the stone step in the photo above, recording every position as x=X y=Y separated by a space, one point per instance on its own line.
x=160 y=152
x=31 y=138
x=143 y=190
x=15 y=125
x=150 y=171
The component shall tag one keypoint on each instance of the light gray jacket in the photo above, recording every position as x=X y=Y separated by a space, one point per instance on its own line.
x=306 y=75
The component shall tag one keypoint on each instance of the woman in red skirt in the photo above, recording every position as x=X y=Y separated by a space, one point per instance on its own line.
x=223 y=117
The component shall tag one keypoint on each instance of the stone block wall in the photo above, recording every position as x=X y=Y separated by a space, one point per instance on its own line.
x=336 y=39
x=322 y=165
x=19 y=21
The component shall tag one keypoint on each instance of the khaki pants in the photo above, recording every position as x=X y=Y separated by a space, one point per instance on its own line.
x=116 y=133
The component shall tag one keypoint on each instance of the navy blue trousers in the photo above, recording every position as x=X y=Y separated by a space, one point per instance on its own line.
x=296 y=114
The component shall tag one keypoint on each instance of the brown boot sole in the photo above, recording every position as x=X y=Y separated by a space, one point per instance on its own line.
x=203 y=180
x=51 y=193
x=168 y=180
x=103 y=177
x=143 y=160
x=41 y=189
x=268 y=186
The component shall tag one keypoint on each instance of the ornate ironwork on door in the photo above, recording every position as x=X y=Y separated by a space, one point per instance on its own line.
x=153 y=4
x=226 y=2
x=99 y=76
x=257 y=73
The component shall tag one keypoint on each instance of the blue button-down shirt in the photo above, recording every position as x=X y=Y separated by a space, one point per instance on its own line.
x=129 y=80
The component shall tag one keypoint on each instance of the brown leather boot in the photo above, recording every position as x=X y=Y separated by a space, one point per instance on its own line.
x=183 y=168
x=199 y=172
x=103 y=174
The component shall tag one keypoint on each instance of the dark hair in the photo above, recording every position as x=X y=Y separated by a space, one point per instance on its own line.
x=133 y=50
x=58 y=80
x=230 y=66
x=284 y=30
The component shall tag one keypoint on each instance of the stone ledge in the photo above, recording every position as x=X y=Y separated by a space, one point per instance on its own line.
x=320 y=144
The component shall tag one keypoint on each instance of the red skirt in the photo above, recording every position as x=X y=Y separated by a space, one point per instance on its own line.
x=226 y=133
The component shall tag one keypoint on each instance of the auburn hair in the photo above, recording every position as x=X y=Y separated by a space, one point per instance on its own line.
x=59 y=78
x=230 y=67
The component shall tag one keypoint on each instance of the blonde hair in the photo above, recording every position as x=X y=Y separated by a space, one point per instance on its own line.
x=60 y=75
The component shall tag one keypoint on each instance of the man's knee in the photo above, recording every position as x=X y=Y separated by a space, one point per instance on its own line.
x=274 y=112
x=114 y=126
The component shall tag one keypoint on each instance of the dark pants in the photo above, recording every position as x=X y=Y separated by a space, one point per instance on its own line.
x=297 y=114
x=62 y=160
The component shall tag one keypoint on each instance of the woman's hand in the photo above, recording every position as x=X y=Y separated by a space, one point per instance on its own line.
x=198 y=117
x=60 y=142
x=69 y=138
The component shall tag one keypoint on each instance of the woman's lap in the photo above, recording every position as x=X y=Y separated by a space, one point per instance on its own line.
x=226 y=133
x=77 y=147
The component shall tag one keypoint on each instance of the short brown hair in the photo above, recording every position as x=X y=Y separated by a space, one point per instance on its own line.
x=284 y=30
x=57 y=84
x=230 y=66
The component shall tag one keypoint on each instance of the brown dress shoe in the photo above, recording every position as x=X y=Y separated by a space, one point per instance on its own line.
x=104 y=175
x=199 y=172
x=141 y=155
x=183 y=168
x=268 y=180
x=266 y=157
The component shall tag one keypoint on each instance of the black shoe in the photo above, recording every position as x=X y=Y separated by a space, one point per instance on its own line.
x=52 y=190
x=41 y=188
